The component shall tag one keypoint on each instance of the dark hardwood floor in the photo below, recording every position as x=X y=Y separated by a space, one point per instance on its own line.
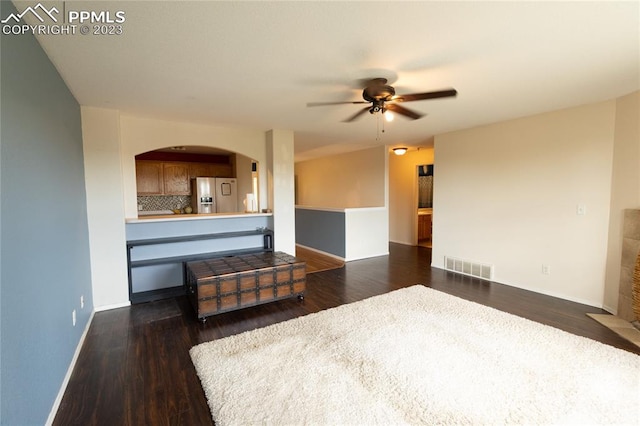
x=135 y=369
x=317 y=262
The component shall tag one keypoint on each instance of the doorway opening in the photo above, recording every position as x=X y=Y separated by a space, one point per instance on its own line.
x=424 y=176
x=186 y=179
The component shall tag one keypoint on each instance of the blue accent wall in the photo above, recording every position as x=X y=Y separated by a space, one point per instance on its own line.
x=44 y=243
x=322 y=230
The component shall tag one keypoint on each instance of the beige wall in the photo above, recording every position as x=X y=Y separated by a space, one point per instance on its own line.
x=105 y=206
x=110 y=142
x=280 y=181
x=403 y=194
x=625 y=187
x=355 y=179
x=507 y=194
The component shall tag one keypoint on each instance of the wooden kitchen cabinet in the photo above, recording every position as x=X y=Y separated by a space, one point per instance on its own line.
x=176 y=178
x=424 y=227
x=201 y=170
x=149 y=178
x=223 y=170
x=210 y=170
x=162 y=178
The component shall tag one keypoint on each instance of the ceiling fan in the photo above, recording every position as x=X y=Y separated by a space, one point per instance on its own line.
x=382 y=97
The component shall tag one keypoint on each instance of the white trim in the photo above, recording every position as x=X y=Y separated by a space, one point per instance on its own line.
x=405 y=243
x=114 y=306
x=534 y=290
x=363 y=209
x=182 y=217
x=340 y=210
x=324 y=209
x=367 y=256
x=612 y=311
x=67 y=377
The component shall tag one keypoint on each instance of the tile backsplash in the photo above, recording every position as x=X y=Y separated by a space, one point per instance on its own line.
x=163 y=202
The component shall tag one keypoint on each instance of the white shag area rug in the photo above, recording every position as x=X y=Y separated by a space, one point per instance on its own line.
x=416 y=356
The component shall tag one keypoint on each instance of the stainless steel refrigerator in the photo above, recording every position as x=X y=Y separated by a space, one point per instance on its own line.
x=226 y=195
x=214 y=195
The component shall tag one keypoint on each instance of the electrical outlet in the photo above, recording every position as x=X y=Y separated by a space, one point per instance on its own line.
x=82 y=302
x=546 y=269
x=73 y=317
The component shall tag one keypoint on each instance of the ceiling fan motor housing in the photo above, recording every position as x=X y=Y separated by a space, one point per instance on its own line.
x=378 y=93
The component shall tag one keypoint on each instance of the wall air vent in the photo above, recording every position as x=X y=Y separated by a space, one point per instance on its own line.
x=468 y=267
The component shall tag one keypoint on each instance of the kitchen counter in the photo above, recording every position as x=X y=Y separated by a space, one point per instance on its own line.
x=192 y=216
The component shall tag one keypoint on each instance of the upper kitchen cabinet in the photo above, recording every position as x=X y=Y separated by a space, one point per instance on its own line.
x=176 y=178
x=149 y=178
x=211 y=170
x=162 y=178
x=169 y=173
x=223 y=170
x=202 y=170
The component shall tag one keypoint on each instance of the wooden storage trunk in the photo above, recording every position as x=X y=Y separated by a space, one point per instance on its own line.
x=228 y=283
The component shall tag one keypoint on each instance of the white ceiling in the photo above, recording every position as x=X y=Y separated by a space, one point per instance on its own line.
x=257 y=64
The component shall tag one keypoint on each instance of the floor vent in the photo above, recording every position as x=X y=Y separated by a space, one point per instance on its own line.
x=467 y=267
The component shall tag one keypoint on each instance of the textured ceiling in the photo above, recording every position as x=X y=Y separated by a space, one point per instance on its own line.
x=257 y=64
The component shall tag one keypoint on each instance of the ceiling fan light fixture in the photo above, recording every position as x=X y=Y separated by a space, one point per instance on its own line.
x=399 y=151
x=377 y=92
x=388 y=115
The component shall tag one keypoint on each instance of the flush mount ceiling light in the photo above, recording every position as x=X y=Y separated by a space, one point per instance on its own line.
x=399 y=151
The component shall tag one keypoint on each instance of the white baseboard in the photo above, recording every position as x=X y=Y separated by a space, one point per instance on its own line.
x=367 y=256
x=539 y=291
x=405 y=243
x=67 y=377
x=611 y=310
x=114 y=306
x=342 y=259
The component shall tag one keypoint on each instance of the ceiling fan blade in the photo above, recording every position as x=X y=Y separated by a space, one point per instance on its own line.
x=428 y=95
x=356 y=115
x=404 y=111
x=314 y=104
